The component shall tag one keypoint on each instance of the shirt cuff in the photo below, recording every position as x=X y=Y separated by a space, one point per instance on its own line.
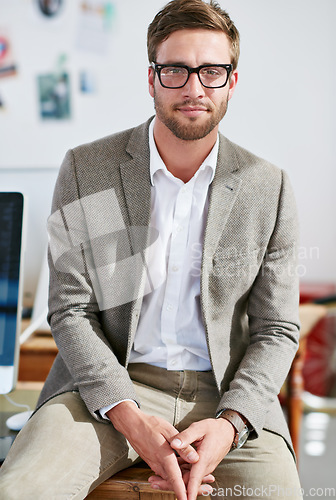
x=104 y=410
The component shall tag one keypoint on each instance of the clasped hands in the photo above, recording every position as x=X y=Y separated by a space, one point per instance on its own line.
x=200 y=448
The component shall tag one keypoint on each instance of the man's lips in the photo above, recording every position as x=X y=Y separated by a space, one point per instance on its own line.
x=192 y=110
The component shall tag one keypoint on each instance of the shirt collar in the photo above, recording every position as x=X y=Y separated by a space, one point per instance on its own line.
x=156 y=162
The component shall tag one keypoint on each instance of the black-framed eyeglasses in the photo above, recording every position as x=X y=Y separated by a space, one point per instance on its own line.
x=175 y=76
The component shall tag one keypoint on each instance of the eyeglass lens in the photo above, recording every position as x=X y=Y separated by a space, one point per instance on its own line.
x=210 y=76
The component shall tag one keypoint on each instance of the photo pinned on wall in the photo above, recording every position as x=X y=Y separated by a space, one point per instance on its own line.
x=7 y=64
x=54 y=96
x=96 y=21
x=50 y=7
x=87 y=82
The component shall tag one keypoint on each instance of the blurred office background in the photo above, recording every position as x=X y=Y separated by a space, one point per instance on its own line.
x=81 y=73
x=284 y=108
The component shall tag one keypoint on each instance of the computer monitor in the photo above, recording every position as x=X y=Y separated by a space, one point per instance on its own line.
x=11 y=274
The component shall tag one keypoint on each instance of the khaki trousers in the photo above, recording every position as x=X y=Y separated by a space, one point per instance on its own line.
x=63 y=453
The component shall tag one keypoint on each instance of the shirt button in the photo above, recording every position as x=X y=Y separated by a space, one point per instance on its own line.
x=173 y=362
x=169 y=307
x=175 y=268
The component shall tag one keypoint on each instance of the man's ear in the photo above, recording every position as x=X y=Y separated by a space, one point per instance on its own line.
x=151 y=76
x=233 y=83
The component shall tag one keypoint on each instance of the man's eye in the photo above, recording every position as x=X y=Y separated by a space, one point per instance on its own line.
x=211 y=72
x=173 y=71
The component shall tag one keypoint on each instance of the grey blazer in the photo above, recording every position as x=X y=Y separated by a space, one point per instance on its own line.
x=249 y=285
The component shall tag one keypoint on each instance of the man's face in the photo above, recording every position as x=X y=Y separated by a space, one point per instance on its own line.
x=192 y=111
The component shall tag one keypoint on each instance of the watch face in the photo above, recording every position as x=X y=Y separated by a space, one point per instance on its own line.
x=242 y=437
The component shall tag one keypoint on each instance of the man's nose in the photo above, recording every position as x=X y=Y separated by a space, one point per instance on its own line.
x=193 y=88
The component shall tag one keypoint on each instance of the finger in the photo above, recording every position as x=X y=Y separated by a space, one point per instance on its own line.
x=156 y=479
x=182 y=443
x=173 y=476
x=158 y=483
x=186 y=451
x=197 y=472
x=183 y=464
x=209 y=478
x=185 y=468
x=164 y=464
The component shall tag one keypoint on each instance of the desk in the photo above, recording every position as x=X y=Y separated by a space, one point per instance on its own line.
x=36 y=355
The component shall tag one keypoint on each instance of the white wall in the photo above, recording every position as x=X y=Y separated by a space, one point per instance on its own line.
x=284 y=108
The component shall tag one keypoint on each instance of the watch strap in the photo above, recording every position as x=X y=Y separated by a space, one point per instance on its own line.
x=238 y=422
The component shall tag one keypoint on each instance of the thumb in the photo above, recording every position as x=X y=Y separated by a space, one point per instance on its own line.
x=182 y=444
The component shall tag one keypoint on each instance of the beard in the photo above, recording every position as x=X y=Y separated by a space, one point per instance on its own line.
x=191 y=131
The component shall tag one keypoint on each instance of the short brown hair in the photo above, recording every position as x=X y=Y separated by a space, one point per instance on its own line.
x=191 y=14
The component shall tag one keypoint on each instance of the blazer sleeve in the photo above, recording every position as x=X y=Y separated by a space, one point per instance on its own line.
x=273 y=320
x=74 y=313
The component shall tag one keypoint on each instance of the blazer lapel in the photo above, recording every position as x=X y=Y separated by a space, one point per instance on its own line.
x=224 y=190
x=135 y=178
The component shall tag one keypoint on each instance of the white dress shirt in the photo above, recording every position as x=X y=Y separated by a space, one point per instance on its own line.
x=170 y=332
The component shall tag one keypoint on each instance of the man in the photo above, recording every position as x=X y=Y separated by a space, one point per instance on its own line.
x=173 y=299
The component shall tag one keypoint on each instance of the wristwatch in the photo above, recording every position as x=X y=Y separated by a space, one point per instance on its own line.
x=239 y=423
